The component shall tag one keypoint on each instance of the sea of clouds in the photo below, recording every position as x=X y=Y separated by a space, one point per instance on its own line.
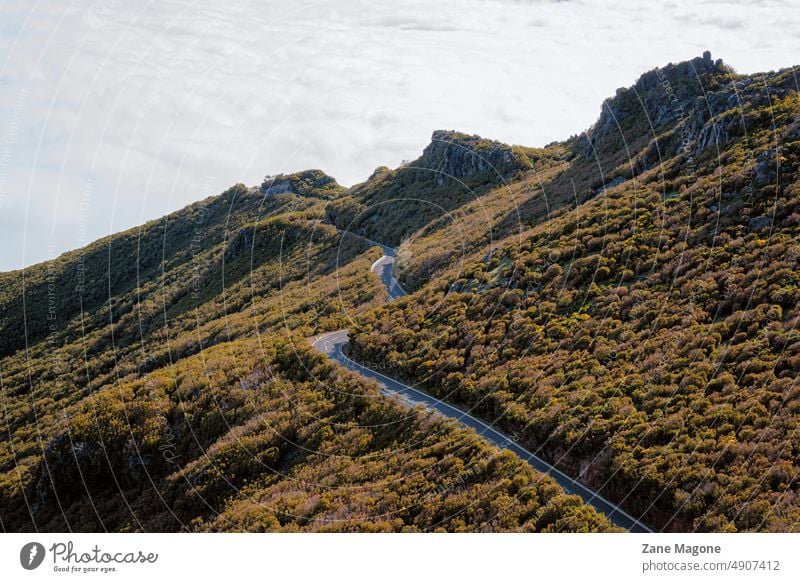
x=113 y=113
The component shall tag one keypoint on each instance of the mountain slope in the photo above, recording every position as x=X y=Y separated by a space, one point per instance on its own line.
x=454 y=169
x=646 y=338
x=623 y=302
x=165 y=384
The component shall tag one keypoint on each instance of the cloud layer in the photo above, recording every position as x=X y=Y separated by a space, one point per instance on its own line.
x=113 y=113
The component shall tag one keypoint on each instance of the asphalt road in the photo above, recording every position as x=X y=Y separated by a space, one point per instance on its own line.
x=333 y=343
x=383 y=268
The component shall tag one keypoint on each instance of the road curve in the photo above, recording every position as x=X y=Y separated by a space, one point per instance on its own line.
x=383 y=267
x=332 y=345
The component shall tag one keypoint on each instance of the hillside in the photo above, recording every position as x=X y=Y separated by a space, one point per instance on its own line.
x=623 y=303
x=165 y=383
x=644 y=334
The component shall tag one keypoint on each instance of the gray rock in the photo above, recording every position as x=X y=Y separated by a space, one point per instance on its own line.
x=277 y=188
x=766 y=167
x=615 y=182
x=760 y=223
x=456 y=155
x=306 y=183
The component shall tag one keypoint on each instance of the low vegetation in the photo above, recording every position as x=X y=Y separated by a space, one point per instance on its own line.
x=625 y=303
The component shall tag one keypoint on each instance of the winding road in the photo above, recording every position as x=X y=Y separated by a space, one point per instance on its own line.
x=332 y=345
x=383 y=268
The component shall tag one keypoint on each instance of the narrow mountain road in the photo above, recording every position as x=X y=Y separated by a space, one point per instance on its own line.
x=383 y=268
x=332 y=345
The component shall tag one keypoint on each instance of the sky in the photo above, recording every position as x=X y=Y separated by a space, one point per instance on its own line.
x=113 y=113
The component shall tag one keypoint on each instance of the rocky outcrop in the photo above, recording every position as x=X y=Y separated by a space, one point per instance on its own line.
x=314 y=183
x=663 y=96
x=610 y=184
x=766 y=171
x=276 y=185
x=686 y=108
x=457 y=155
x=719 y=116
x=760 y=223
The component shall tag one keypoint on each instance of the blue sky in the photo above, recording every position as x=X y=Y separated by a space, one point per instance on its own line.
x=113 y=113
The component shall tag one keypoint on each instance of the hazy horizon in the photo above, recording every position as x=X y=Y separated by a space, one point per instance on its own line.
x=108 y=121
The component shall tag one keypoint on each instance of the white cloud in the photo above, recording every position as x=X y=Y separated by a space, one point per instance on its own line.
x=143 y=108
